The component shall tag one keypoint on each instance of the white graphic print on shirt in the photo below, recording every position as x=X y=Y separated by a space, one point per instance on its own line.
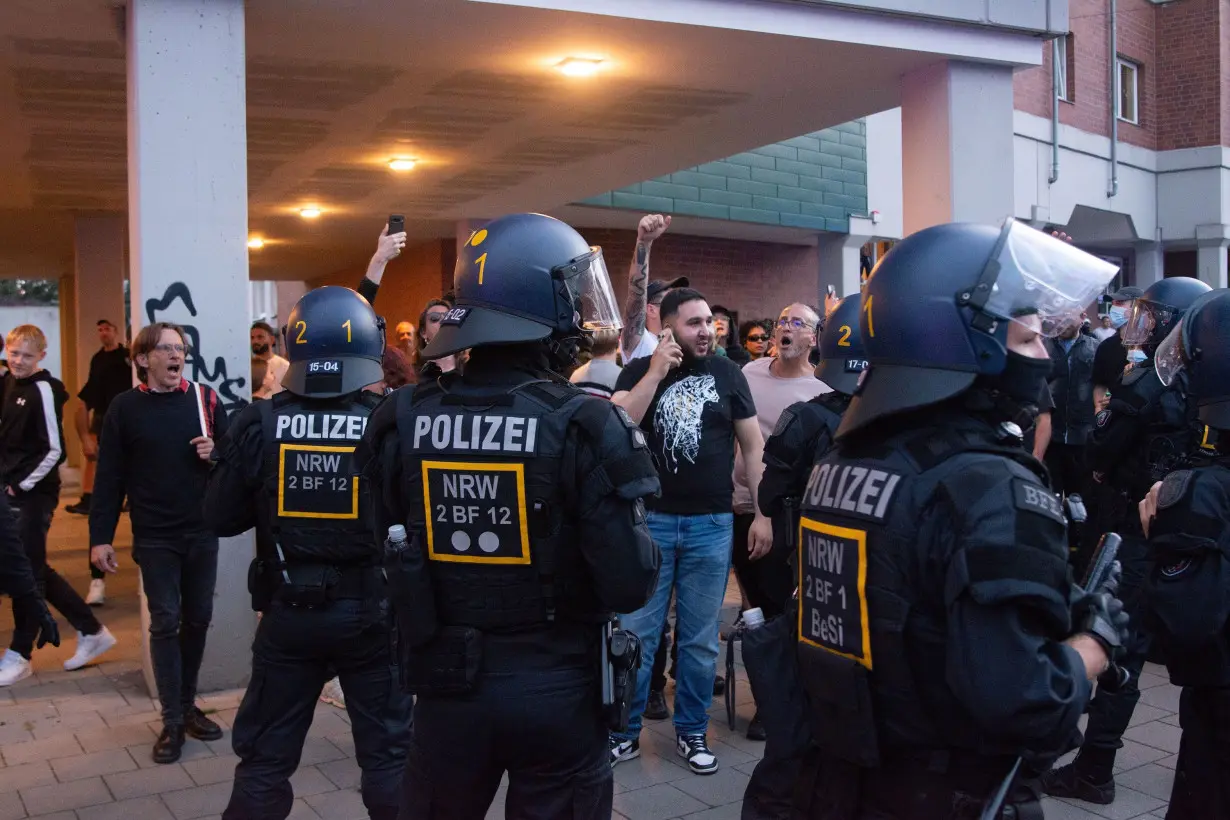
x=677 y=418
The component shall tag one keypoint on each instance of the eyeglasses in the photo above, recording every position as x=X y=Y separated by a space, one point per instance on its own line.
x=171 y=348
x=793 y=324
x=757 y=338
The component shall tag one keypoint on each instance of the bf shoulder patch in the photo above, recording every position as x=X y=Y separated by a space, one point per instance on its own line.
x=1102 y=418
x=783 y=421
x=1174 y=487
x=1035 y=498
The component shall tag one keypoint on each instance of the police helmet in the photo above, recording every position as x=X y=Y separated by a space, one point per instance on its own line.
x=334 y=343
x=523 y=278
x=1197 y=345
x=1159 y=309
x=935 y=311
x=842 y=358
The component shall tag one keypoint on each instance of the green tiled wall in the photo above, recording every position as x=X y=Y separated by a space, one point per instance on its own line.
x=815 y=182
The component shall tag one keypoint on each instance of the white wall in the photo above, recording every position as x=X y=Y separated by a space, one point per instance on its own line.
x=46 y=319
x=884 y=191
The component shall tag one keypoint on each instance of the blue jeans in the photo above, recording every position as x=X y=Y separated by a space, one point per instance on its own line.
x=695 y=564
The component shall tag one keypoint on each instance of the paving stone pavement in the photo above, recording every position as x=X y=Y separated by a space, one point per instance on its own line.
x=76 y=745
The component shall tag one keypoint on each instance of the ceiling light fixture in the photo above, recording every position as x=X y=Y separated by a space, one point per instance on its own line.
x=578 y=67
x=309 y=213
x=256 y=243
x=402 y=164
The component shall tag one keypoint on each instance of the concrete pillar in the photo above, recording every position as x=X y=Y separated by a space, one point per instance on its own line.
x=838 y=255
x=1150 y=263
x=188 y=224
x=956 y=127
x=99 y=270
x=1212 y=242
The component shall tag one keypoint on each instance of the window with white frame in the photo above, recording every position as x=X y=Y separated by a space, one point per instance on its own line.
x=1063 y=63
x=1128 y=96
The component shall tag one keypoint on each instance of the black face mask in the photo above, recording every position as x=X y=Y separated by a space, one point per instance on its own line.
x=1014 y=394
x=260 y=350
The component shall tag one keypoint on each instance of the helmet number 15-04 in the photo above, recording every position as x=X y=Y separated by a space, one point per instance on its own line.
x=482 y=266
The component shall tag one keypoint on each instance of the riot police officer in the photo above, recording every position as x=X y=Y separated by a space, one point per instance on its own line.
x=523 y=495
x=1189 y=586
x=1144 y=433
x=939 y=638
x=804 y=433
x=286 y=467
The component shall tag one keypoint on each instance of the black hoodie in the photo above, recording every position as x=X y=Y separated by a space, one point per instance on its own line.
x=32 y=433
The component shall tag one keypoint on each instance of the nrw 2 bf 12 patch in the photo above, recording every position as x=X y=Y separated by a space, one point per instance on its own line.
x=833 y=590
x=476 y=512
x=314 y=481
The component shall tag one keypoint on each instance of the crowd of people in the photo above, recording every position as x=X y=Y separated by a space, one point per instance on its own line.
x=907 y=483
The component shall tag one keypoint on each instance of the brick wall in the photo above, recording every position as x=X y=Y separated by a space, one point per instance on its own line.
x=1090 y=111
x=1191 y=93
x=1184 y=52
x=814 y=182
x=756 y=279
x=422 y=272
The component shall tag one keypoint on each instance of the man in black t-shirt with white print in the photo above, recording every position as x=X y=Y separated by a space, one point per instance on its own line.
x=692 y=407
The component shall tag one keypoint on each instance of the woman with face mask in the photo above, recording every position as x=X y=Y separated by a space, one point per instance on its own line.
x=1112 y=356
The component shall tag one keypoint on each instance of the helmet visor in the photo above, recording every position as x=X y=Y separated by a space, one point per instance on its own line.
x=1143 y=319
x=1170 y=358
x=1043 y=275
x=593 y=295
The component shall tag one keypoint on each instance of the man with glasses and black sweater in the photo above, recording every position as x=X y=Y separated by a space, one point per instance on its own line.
x=155 y=447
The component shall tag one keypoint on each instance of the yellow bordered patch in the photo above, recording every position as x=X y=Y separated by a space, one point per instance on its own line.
x=833 y=590
x=317 y=483
x=476 y=512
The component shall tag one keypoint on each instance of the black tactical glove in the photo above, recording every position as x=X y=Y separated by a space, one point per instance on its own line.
x=1100 y=614
x=35 y=610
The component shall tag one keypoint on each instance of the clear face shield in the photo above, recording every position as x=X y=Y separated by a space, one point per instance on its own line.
x=1170 y=358
x=1142 y=319
x=590 y=285
x=1040 y=275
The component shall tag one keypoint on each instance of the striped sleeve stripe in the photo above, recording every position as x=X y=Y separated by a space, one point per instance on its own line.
x=54 y=449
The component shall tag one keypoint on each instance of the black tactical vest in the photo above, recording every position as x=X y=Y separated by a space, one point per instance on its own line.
x=317 y=509
x=1172 y=433
x=872 y=625
x=483 y=481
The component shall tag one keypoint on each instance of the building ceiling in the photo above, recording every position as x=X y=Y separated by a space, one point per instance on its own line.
x=468 y=89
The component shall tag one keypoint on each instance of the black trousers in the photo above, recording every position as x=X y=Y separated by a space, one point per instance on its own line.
x=768 y=582
x=1201 y=782
x=291 y=661
x=179 y=579
x=543 y=727
x=34 y=512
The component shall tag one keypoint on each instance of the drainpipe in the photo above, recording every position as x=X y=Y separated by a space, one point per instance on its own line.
x=1055 y=80
x=1113 y=190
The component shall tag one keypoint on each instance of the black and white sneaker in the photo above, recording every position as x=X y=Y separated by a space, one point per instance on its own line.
x=695 y=749
x=622 y=750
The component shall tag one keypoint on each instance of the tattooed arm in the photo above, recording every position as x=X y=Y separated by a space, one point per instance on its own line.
x=649 y=229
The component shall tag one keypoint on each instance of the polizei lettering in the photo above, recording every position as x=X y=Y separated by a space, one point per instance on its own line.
x=851 y=488
x=477 y=433
x=321 y=426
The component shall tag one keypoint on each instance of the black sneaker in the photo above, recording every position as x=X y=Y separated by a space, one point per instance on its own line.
x=82 y=507
x=1068 y=781
x=719 y=686
x=622 y=750
x=655 y=707
x=695 y=749
x=198 y=726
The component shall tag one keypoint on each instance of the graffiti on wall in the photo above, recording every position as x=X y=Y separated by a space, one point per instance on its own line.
x=197 y=360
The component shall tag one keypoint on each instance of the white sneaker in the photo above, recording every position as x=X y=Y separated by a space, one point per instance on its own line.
x=332 y=694
x=97 y=596
x=90 y=647
x=13 y=667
